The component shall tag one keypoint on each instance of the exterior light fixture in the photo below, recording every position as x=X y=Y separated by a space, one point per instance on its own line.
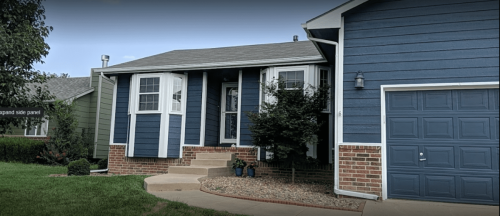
x=359 y=80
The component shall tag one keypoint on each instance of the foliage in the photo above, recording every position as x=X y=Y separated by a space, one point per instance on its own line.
x=65 y=144
x=22 y=35
x=102 y=164
x=79 y=167
x=239 y=163
x=19 y=149
x=26 y=189
x=252 y=165
x=288 y=123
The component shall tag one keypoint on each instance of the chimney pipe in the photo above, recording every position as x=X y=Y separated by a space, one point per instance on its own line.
x=295 y=38
x=105 y=59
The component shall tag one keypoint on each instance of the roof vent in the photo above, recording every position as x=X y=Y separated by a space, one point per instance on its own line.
x=295 y=38
x=105 y=59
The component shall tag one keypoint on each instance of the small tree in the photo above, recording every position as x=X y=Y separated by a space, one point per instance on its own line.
x=65 y=144
x=286 y=125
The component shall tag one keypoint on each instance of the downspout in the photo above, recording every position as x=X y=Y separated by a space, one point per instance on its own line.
x=105 y=59
x=336 y=189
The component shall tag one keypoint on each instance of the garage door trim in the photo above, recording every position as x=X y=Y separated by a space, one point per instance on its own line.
x=416 y=87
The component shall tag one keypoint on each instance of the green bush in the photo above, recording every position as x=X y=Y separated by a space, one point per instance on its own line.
x=19 y=149
x=102 y=164
x=79 y=167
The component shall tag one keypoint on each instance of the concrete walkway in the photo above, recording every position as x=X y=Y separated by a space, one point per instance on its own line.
x=372 y=208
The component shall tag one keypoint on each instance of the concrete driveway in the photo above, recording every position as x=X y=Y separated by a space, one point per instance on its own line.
x=372 y=208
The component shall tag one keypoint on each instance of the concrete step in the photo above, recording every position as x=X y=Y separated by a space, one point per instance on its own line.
x=211 y=162
x=209 y=171
x=220 y=156
x=172 y=182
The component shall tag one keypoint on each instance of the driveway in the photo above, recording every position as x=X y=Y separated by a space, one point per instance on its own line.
x=372 y=208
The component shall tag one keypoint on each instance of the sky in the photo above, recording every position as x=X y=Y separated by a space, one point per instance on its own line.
x=132 y=29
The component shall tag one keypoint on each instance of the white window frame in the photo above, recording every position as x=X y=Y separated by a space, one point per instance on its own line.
x=161 y=93
x=171 y=92
x=304 y=68
x=223 y=112
x=329 y=79
x=45 y=123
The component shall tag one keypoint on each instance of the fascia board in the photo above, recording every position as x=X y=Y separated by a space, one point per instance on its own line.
x=217 y=65
x=332 y=18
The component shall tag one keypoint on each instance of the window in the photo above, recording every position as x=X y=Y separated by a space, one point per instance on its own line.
x=149 y=93
x=324 y=79
x=38 y=130
x=176 y=94
x=292 y=78
x=229 y=113
x=263 y=90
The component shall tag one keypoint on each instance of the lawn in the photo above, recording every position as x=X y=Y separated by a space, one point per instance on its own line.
x=26 y=189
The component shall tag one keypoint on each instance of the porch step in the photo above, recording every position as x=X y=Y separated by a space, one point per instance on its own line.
x=172 y=182
x=209 y=171
x=211 y=162
x=220 y=156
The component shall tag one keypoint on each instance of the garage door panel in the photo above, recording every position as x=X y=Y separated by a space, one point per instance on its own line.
x=440 y=128
x=458 y=133
x=405 y=184
x=480 y=188
x=403 y=128
x=473 y=99
x=474 y=128
x=437 y=100
x=439 y=157
x=440 y=186
x=475 y=158
x=403 y=156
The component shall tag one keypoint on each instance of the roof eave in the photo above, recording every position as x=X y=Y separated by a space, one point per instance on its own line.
x=216 y=65
x=332 y=18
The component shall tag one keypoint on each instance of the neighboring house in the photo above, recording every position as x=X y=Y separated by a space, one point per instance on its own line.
x=424 y=125
x=76 y=89
x=429 y=107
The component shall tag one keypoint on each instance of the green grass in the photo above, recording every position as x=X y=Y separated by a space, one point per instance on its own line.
x=26 y=189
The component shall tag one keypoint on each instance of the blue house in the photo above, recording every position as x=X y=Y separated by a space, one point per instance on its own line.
x=414 y=97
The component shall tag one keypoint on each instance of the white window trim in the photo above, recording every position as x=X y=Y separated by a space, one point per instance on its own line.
x=45 y=123
x=161 y=93
x=222 y=112
x=305 y=68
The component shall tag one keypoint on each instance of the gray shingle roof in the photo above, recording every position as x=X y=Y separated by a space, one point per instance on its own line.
x=227 y=54
x=65 y=88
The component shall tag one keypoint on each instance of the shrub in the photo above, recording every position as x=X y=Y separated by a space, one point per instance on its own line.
x=19 y=149
x=102 y=164
x=79 y=167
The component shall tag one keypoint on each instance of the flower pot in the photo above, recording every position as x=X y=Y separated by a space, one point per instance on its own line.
x=239 y=171
x=251 y=172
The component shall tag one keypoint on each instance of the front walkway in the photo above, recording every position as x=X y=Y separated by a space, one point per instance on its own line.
x=372 y=208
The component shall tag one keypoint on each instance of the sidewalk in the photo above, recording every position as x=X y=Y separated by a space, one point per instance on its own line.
x=372 y=208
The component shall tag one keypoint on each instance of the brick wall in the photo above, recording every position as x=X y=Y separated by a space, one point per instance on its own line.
x=120 y=164
x=360 y=169
x=247 y=154
x=317 y=173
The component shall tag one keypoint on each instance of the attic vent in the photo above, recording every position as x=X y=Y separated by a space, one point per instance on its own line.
x=105 y=59
x=295 y=38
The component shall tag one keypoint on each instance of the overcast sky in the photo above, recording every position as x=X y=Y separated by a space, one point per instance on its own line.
x=131 y=29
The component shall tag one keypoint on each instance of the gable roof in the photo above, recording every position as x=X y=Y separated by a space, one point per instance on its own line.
x=65 y=88
x=224 y=57
x=333 y=17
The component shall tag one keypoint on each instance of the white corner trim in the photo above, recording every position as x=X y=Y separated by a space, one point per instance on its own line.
x=359 y=144
x=162 y=141
x=240 y=90
x=339 y=103
x=183 y=107
x=356 y=194
x=113 y=110
x=415 y=87
x=132 y=105
x=332 y=18
x=203 y=109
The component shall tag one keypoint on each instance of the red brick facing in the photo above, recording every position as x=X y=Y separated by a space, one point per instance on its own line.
x=361 y=169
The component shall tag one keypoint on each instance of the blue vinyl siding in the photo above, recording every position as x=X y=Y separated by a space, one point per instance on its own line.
x=249 y=103
x=193 y=108
x=174 y=136
x=213 y=111
x=147 y=135
x=414 y=42
x=121 y=109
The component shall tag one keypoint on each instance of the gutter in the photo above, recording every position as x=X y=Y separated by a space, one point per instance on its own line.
x=336 y=176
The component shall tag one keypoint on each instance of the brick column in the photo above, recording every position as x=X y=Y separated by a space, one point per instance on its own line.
x=360 y=169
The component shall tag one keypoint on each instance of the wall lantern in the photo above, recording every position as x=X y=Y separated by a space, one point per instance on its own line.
x=359 y=80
